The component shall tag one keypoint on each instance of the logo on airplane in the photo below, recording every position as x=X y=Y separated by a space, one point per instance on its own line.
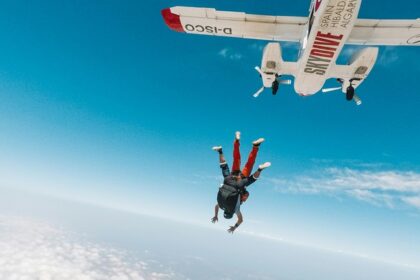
x=322 y=52
x=414 y=40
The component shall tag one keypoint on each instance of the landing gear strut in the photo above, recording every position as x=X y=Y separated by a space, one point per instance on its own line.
x=350 y=93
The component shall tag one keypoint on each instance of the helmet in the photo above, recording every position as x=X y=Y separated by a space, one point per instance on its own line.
x=228 y=215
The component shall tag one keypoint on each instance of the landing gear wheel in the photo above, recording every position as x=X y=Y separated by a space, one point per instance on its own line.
x=350 y=93
x=275 y=87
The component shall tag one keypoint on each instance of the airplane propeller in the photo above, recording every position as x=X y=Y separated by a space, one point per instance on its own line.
x=285 y=82
x=258 y=92
x=356 y=98
x=259 y=70
x=325 y=90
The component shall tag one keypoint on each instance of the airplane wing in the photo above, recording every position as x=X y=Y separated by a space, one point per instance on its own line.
x=209 y=21
x=385 y=32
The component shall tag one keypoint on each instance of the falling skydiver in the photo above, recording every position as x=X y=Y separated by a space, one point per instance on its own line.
x=233 y=191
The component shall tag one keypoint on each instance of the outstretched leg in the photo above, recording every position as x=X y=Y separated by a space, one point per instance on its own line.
x=251 y=158
x=236 y=166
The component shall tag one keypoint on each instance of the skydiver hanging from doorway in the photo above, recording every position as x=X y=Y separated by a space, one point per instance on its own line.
x=233 y=191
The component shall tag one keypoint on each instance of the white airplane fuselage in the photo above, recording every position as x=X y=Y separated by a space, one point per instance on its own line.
x=329 y=26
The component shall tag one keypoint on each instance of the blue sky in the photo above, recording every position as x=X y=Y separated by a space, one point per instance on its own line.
x=101 y=102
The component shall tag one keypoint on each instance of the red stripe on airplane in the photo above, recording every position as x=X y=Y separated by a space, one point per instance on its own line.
x=317 y=4
x=172 y=20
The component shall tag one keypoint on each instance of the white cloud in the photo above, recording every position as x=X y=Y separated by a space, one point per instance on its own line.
x=257 y=46
x=384 y=188
x=36 y=250
x=388 y=55
x=229 y=54
x=371 y=197
x=224 y=52
x=414 y=201
x=349 y=50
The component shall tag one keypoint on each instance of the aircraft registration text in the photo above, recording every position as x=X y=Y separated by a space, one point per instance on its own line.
x=208 y=29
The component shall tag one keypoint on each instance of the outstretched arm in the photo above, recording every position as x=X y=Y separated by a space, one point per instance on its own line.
x=216 y=214
x=238 y=223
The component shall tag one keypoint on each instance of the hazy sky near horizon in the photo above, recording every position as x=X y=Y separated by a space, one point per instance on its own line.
x=101 y=102
x=43 y=237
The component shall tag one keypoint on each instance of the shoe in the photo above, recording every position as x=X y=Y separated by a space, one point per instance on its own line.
x=264 y=165
x=217 y=148
x=237 y=135
x=258 y=141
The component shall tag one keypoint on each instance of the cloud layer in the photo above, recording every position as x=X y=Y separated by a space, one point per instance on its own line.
x=36 y=250
x=230 y=54
x=382 y=188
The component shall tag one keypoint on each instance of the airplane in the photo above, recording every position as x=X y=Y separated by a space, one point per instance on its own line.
x=331 y=24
